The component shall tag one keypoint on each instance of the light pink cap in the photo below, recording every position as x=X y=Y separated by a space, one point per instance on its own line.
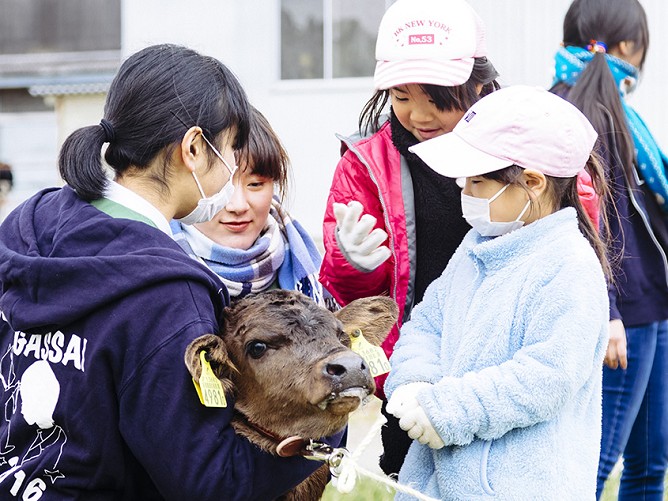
x=428 y=42
x=517 y=125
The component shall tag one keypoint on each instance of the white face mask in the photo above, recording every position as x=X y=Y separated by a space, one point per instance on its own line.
x=477 y=214
x=208 y=207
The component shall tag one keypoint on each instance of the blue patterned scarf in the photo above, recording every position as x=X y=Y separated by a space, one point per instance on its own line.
x=652 y=162
x=283 y=252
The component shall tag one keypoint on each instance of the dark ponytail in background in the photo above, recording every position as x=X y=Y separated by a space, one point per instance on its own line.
x=157 y=93
x=595 y=93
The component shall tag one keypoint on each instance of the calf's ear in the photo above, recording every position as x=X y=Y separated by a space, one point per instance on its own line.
x=216 y=355
x=374 y=316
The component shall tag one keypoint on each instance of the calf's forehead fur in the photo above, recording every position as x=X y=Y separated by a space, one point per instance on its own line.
x=279 y=312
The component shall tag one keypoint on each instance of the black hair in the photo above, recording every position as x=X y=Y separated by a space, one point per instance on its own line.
x=6 y=174
x=595 y=93
x=563 y=192
x=156 y=93
x=264 y=152
x=459 y=97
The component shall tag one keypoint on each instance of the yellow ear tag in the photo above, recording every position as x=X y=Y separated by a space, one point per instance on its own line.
x=372 y=355
x=209 y=388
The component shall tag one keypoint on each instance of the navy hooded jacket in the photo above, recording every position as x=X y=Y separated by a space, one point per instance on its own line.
x=98 y=404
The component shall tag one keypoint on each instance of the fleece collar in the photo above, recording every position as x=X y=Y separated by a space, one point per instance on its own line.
x=494 y=253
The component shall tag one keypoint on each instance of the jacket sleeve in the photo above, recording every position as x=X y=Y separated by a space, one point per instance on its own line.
x=564 y=342
x=352 y=182
x=416 y=355
x=612 y=297
x=191 y=451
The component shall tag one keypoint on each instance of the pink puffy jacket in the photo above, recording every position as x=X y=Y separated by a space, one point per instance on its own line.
x=370 y=172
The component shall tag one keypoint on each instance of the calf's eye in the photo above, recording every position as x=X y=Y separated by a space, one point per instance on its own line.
x=256 y=349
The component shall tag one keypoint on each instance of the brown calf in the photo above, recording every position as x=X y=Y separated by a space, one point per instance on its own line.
x=289 y=365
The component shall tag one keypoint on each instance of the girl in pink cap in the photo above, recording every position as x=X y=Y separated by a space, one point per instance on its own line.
x=392 y=223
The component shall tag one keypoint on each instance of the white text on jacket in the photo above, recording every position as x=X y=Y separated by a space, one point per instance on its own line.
x=51 y=347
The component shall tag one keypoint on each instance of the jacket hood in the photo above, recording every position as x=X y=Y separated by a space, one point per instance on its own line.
x=61 y=259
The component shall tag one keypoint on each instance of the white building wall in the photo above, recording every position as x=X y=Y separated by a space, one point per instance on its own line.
x=28 y=142
x=522 y=37
x=76 y=111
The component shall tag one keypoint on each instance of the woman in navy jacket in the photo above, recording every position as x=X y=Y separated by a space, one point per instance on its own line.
x=99 y=303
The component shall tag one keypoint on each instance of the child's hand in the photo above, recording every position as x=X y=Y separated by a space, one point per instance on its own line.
x=419 y=428
x=361 y=247
x=404 y=399
x=615 y=356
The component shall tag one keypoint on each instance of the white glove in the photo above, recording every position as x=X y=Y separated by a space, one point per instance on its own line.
x=419 y=428
x=361 y=247
x=404 y=399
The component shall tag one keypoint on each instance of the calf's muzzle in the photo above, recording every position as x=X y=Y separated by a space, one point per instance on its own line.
x=348 y=370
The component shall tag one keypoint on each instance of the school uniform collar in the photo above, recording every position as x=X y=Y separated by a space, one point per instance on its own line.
x=128 y=198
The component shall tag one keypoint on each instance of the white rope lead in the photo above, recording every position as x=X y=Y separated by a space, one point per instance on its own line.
x=348 y=470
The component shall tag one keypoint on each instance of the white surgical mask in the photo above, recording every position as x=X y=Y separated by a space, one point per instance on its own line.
x=477 y=214
x=208 y=207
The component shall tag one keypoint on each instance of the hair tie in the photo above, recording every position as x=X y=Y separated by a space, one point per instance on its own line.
x=109 y=134
x=596 y=46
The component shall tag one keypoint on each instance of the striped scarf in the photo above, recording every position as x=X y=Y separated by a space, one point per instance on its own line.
x=283 y=252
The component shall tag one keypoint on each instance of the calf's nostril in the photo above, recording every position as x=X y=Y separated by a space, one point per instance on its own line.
x=335 y=370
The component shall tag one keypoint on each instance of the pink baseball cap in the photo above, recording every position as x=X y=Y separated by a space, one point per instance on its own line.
x=517 y=125
x=428 y=42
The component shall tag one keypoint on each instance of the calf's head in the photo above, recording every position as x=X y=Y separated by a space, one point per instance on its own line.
x=289 y=360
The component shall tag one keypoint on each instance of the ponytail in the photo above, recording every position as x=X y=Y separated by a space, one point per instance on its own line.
x=80 y=162
x=595 y=93
x=157 y=94
x=597 y=96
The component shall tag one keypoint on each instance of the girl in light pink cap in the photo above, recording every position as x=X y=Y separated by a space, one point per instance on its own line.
x=497 y=375
x=392 y=223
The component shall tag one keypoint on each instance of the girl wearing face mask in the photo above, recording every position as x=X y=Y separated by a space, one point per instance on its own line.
x=251 y=243
x=497 y=376
x=392 y=223
x=605 y=43
x=94 y=287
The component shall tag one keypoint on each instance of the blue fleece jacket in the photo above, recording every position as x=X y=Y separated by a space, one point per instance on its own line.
x=98 y=404
x=512 y=336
